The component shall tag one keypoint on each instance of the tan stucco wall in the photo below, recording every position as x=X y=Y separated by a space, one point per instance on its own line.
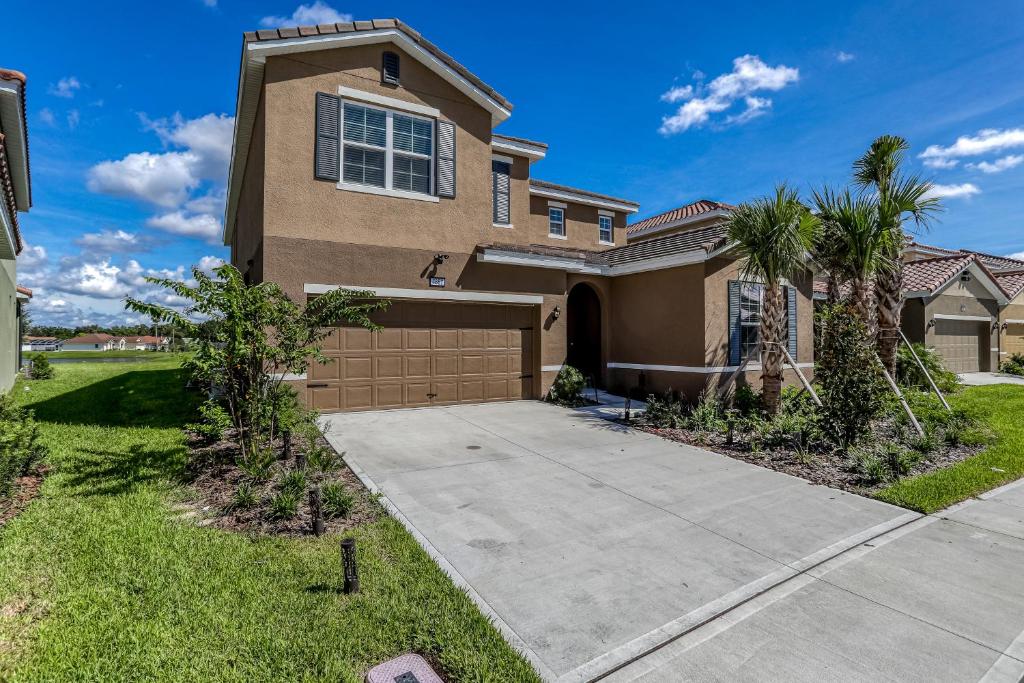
x=581 y=226
x=10 y=337
x=1011 y=340
x=247 y=240
x=959 y=299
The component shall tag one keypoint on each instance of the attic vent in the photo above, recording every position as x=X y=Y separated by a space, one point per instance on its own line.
x=389 y=69
x=966 y=277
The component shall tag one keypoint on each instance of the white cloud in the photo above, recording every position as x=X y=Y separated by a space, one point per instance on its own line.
x=844 y=57
x=208 y=263
x=749 y=75
x=203 y=225
x=318 y=12
x=207 y=137
x=212 y=203
x=987 y=141
x=32 y=256
x=65 y=87
x=113 y=242
x=999 y=165
x=73 y=118
x=677 y=93
x=97 y=279
x=162 y=179
x=953 y=191
x=1019 y=256
x=47 y=117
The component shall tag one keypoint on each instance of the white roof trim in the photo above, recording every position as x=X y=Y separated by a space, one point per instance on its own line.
x=250 y=81
x=503 y=158
x=390 y=102
x=17 y=141
x=532 y=152
x=1014 y=321
x=578 y=198
x=974 y=318
x=697 y=369
x=431 y=294
x=717 y=213
x=573 y=265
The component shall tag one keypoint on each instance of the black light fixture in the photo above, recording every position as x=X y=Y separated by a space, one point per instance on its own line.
x=440 y=258
x=556 y=313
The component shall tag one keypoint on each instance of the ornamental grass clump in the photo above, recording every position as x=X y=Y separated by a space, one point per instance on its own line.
x=20 y=449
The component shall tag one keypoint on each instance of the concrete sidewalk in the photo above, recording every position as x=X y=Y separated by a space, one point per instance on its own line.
x=589 y=543
x=940 y=599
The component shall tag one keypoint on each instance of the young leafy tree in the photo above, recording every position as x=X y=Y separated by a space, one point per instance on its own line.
x=899 y=199
x=772 y=235
x=249 y=336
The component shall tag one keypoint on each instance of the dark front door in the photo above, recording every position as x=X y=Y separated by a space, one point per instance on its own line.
x=583 y=332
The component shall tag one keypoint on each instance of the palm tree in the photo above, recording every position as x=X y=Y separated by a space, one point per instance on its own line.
x=773 y=235
x=899 y=199
x=857 y=243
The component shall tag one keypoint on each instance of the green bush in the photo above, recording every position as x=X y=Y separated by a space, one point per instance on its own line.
x=338 y=501
x=321 y=458
x=259 y=465
x=665 y=412
x=883 y=463
x=746 y=400
x=245 y=497
x=20 y=449
x=707 y=415
x=1014 y=365
x=909 y=374
x=284 y=505
x=294 y=482
x=567 y=389
x=852 y=388
x=41 y=368
x=213 y=422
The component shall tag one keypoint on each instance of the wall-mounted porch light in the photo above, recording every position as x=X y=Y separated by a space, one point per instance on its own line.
x=556 y=313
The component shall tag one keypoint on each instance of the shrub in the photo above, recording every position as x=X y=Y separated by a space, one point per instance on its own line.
x=746 y=400
x=868 y=466
x=294 y=482
x=852 y=388
x=322 y=458
x=41 y=367
x=567 y=389
x=20 y=449
x=909 y=374
x=706 y=416
x=665 y=412
x=1014 y=365
x=245 y=497
x=338 y=501
x=284 y=505
x=898 y=461
x=258 y=466
x=214 y=420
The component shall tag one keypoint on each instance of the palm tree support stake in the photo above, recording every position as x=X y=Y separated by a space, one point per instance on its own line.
x=803 y=378
x=899 y=395
x=935 y=388
x=316 y=510
x=348 y=563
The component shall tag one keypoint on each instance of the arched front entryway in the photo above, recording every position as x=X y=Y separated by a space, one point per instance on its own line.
x=583 y=332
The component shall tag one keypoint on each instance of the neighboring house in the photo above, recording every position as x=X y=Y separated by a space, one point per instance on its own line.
x=143 y=343
x=1011 y=317
x=15 y=197
x=99 y=341
x=365 y=157
x=36 y=344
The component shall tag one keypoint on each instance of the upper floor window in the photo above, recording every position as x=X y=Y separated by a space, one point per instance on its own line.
x=386 y=149
x=501 y=172
x=604 y=228
x=556 y=221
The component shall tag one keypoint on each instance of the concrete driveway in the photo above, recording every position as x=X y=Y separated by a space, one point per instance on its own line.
x=981 y=379
x=589 y=543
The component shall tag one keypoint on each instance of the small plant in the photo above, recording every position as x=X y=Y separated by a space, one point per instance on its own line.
x=1014 y=365
x=259 y=465
x=41 y=367
x=706 y=416
x=898 y=461
x=284 y=505
x=338 y=501
x=665 y=412
x=567 y=389
x=909 y=374
x=322 y=458
x=746 y=400
x=20 y=449
x=869 y=466
x=924 y=443
x=213 y=422
x=245 y=497
x=294 y=482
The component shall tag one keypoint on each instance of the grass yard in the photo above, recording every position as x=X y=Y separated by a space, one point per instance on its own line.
x=999 y=406
x=100 y=580
x=127 y=353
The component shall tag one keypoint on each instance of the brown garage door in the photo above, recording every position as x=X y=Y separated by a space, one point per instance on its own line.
x=1013 y=339
x=429 y=353
x=959 y=342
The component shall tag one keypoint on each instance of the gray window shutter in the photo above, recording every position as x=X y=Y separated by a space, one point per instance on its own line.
x=791 y=315
x=327 y=165
x=734 y=323
x=445 y=159
x=500 y=172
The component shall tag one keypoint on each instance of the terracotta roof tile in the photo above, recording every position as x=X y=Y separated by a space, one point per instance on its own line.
x=14 y=75
x=7 y=194
x=23 y=290
x=928 y=275
x=565 y=188
x=1012 y=282
x=707 y=239
x=990 y=260
x=688 y=211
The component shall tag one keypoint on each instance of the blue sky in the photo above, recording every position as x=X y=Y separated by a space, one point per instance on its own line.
x=130 y=108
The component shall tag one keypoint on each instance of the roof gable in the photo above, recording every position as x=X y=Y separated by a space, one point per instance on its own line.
x=702 y=208
x=930 y=277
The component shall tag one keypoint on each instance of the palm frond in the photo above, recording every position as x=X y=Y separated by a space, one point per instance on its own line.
x=772 y=235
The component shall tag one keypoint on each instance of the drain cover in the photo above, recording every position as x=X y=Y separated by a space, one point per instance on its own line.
x=408 y=668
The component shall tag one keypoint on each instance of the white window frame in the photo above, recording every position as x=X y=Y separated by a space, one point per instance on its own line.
x=602 y=215
x=561 y=211
x=389 y=155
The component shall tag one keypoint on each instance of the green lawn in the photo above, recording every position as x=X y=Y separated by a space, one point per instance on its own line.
x=100 y=581
x=127 y=353
x=1001 y=407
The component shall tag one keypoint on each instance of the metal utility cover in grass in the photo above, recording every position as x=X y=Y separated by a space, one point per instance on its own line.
x=408 y=668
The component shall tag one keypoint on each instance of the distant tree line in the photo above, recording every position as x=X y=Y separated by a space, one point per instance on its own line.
x=68 y=332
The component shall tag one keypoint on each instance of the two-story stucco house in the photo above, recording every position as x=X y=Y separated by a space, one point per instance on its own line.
x=365 y=157
x=15 y=197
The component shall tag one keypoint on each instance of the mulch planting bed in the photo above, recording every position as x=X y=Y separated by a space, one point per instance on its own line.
x=214 y=478
x=25 y=489
x=825 y=468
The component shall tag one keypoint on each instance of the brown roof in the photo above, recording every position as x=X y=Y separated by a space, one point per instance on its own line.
x=592 y=257
x=7 y=190
x=1012 y=282
x=95 y=338
x=523 y=140
x=565 y=188
x=688 y=211
x=24 y=290
x=374 y=24
x=928 y=275
x=707 y=239
x=990 y=260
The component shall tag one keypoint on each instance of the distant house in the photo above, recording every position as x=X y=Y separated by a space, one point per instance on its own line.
x=145 y=343
x=36 y=344
x=98 y=341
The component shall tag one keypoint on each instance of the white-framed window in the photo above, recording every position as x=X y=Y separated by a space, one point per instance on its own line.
x=604 y=229
x=556 y=221
x=751 y=299
x=388 y=150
